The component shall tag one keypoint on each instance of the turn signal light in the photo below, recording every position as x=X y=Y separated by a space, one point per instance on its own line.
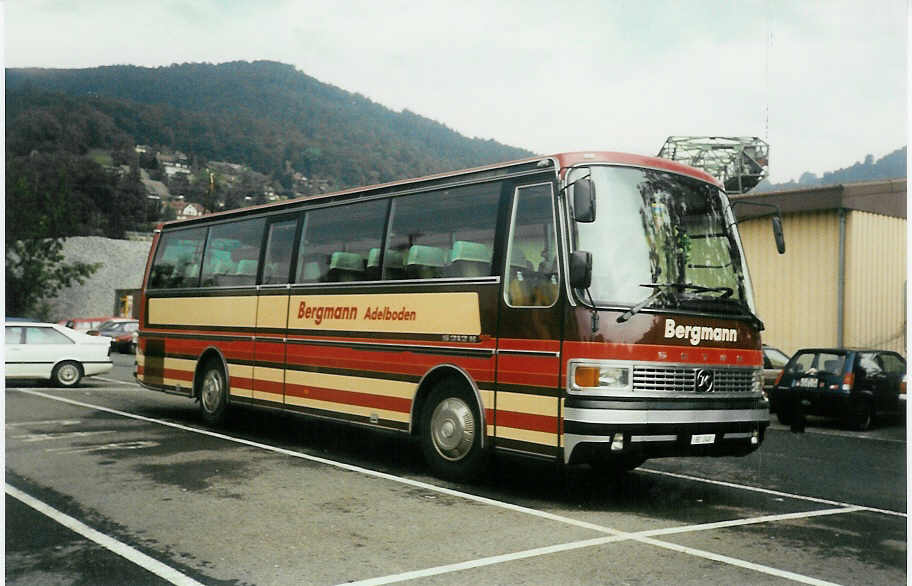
x=587 y=376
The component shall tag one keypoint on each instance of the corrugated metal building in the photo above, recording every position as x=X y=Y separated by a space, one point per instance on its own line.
x=842 y=280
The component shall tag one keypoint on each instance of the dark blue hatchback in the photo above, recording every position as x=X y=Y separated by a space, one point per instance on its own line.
x=853 y=385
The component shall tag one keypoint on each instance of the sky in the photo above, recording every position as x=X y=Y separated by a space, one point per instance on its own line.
x=823 y=82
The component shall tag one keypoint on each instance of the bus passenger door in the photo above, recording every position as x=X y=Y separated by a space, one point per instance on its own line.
x=527 y=402
x=272 y=313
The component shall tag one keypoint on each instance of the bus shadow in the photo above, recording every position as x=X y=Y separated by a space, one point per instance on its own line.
x=526 y=482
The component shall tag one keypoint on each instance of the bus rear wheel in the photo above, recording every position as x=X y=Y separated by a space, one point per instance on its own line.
x=213 y=394
x=451 y=432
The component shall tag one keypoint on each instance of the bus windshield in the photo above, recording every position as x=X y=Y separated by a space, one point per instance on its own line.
x=662 y=240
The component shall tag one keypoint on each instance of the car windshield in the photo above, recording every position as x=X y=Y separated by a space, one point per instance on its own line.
x=776 y=358
x=663 y=239
x=817 y=362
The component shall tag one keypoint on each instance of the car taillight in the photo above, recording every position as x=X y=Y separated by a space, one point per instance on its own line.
x=848 y=381
x=778 y=378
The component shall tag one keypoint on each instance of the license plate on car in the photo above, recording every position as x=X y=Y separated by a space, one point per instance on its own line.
x=703 y=438
x=808 y=383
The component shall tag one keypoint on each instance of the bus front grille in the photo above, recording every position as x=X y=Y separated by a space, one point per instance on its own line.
x=657 y=378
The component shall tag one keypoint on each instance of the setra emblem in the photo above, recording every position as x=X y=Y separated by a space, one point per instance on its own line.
x=704 y=381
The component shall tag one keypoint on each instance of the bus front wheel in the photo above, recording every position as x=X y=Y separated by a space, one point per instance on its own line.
x=213 y=394
x=451 y=432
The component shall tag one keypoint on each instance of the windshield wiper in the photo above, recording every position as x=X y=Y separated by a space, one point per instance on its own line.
x=663 y=288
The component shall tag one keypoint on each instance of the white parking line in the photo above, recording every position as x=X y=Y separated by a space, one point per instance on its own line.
x=641 y=536
x=137 y=557
x=614 y=533
x=114 y=380
x=836 y=433
x=770 y=492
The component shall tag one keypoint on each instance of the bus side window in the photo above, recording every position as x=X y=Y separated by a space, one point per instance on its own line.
x=178 y=259
x=531 y=274
x=232 y=254
x=279 y=246
x=337 y=243
x=443 y=233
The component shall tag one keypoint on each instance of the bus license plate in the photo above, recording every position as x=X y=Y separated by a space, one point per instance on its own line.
x=704 y=438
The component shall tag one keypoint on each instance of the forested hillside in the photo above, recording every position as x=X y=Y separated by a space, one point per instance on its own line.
x=109 y=150
x=263 y=114
x=891 y=166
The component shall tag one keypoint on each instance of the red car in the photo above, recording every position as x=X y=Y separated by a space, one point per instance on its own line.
x=121 y=330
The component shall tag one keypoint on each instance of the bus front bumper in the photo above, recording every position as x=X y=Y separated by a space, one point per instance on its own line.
x=662 y=430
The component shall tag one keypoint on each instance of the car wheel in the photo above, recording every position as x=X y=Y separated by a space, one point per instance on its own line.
x=213 y=394
x=784 y=416
x=67 y=374
x=862 y=418
x=451 y=430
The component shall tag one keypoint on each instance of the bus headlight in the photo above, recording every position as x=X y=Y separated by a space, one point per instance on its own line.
x=601 y=377
x=757 y=382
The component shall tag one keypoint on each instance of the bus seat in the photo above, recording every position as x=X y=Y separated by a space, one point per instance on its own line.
x=395 y=268
x=191 y=272
x=223 y=267
x=346 y=266
x=522 y=282
x=546 y=289
x=310 y=272
x=425 y=262
x=470 y=259
x=247 y=267
x=373 y=264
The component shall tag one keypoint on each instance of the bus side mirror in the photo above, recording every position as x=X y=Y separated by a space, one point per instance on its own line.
x=584 y=200
x=580 y=269
x=777 y=233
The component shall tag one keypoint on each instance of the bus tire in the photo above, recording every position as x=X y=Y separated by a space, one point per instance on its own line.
x=213 y=394
x=451 y=431
x=67 y=374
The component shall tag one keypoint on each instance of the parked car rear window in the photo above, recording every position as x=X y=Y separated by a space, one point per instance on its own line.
x=35 y=335
x=829 y=362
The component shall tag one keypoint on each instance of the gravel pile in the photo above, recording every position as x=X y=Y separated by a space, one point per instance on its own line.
x=123 y=263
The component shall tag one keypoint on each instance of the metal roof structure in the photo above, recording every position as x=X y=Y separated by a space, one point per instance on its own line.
x=739 y=162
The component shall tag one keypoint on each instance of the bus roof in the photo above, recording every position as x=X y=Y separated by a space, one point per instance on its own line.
x=560 y=163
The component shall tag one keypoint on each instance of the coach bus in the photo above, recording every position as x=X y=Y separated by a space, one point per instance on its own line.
x=581 y=307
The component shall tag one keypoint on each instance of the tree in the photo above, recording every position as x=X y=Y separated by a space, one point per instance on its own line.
x=35 y=271
x=38 y=213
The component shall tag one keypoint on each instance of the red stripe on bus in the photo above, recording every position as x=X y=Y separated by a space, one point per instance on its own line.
x=527 y=421
x=524 y=370
x=241 y=382
x=382 y=362
x=268 y=386
x=173 y=373
x=529 y=345
x=397 y=404
x=661 y=353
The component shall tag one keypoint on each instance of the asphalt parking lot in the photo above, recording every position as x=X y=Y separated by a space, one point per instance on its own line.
x=112 y=484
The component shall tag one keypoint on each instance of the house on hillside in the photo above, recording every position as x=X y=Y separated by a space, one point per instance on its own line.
x=185 y=210
x=842 y=280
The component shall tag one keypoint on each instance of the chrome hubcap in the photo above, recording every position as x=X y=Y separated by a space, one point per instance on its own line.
x=68 y=373
x=212 y=391
x=452 y=429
